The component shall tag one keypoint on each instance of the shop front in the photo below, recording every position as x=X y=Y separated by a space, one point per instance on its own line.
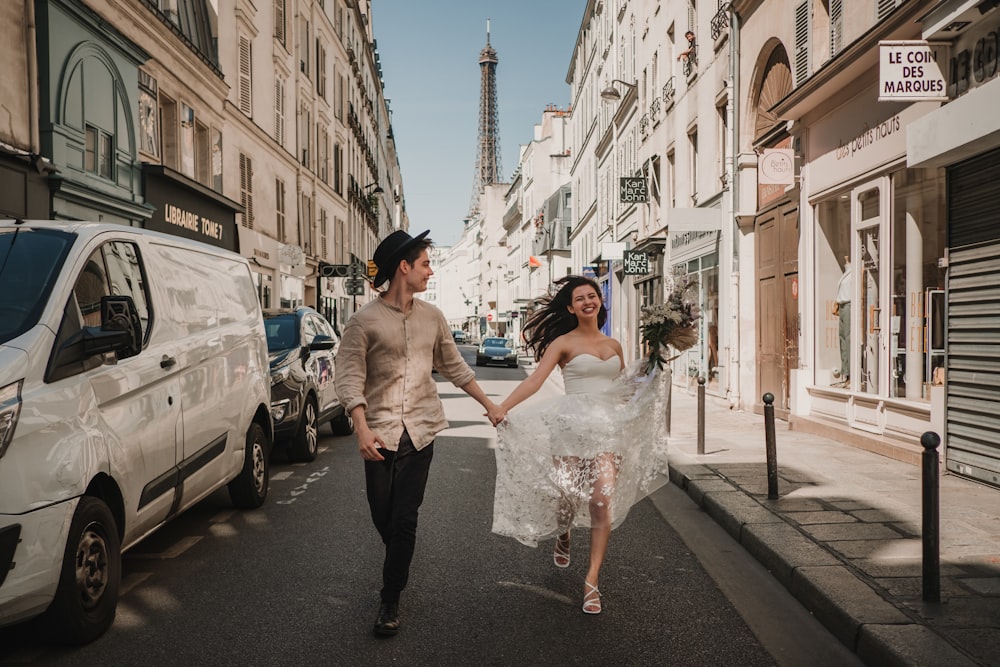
x=962 y=139
x=695 y=254
x=875 y=253
x=262 y=252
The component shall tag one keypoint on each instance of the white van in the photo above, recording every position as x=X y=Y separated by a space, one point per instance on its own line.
x=133 y=383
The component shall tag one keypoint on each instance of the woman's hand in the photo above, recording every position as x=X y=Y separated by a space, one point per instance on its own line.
x=495 y=413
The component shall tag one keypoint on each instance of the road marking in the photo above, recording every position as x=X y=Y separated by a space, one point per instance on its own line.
x=297 y=491
x=537 y=590
x=282 y=476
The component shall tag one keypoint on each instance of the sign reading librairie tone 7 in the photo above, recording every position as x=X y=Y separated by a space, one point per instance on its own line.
x=633 y=190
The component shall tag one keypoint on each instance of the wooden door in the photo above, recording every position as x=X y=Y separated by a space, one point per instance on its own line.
x=777 y=246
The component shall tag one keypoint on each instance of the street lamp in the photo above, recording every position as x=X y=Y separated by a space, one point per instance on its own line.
x=611 y=94
x=373 y=189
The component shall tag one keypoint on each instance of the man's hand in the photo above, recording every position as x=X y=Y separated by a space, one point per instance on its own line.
x=495 y=413
x=368 y=445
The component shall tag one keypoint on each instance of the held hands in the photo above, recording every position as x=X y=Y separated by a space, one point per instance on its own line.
x=495 y=413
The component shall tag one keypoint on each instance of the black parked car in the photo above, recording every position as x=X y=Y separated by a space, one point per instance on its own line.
x=496 y=351
x=302 y=347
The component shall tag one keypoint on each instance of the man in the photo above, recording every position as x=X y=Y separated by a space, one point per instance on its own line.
x=690 y=50
x=384 y=381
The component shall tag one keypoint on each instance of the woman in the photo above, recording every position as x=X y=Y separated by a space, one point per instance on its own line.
x=585 y=458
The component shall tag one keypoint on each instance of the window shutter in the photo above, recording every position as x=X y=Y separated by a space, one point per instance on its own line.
x=836 y=26
x=279 y=111
x=246 y=189
x=885 y=8
x=802 y=16
x=279 y=20
x=245 y=104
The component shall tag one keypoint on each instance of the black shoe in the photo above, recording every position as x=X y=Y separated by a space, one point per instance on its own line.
x=387 y=623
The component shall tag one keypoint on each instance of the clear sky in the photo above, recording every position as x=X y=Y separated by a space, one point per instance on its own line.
x=429 y=53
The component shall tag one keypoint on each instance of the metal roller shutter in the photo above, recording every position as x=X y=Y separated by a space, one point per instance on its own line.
x=973 y=387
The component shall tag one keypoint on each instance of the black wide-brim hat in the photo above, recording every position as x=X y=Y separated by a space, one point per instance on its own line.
x=391 y=251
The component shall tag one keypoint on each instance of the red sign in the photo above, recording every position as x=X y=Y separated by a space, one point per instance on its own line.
x=795 y=288
x=489 y=317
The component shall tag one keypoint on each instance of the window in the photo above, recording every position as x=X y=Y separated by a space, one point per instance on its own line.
x=203 y=153
x=836 y=26
x=322 y=153
x=305 y=223
x=279 y=110
x=320 y=69
x=279 y=21
x=723 y=135
x=802 y=29
x=303 y=45
x=168 y=129
x=149 y=127
x=323 y=230
x=337 y=169
x=672 y=178
x=693 y=164
x=246 y=189
x=245 y=81
x=99 y=152
x=306 y=137
x=279 y=208
x=216 y=160
x=187 y=141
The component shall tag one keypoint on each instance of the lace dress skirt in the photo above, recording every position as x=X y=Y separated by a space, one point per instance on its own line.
x=556 y=457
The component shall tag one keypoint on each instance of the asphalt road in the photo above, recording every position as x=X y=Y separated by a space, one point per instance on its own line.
x=296 y=582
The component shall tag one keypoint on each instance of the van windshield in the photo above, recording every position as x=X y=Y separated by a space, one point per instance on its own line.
x=30 y=262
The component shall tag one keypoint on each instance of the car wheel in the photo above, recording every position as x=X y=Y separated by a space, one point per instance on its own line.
x=511 y=364
x=342 y=425
x=480 y=362
x=249 y=489
x=306 y=442
x=84 y=604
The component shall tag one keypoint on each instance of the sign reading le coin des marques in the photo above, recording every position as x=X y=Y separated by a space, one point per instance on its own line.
x=632 y=190
x=912 y=70
x=635 y=263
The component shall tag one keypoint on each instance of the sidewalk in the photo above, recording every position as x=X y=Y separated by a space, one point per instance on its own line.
x=844 y=535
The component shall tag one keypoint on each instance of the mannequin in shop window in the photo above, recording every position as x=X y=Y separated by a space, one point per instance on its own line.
x=842 y=309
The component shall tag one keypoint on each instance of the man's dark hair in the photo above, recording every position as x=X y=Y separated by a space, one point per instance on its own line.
x=413 y=253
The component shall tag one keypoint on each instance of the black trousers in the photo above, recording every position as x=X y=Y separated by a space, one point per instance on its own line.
x=395 y=492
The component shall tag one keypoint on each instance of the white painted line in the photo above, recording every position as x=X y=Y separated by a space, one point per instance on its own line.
x=174 y=551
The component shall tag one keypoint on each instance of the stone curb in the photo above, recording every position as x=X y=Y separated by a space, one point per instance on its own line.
x=855 y=613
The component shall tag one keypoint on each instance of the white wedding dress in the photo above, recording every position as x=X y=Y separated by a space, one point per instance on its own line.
x=603 y=441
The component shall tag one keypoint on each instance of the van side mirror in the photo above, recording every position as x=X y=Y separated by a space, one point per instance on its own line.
x=322 y=342
x=119 y=314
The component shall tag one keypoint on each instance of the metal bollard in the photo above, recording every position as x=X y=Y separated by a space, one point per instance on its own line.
x=771 y=447
x=931 y=517
x=701 y=415
x=670 y=396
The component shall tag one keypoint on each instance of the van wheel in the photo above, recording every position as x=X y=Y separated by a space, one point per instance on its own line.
x=84 y=604
x=306 y=442
x=342 y=424
x=249 y=489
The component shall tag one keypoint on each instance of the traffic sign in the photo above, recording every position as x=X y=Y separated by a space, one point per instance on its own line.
x=355 y=286
x=489 y=316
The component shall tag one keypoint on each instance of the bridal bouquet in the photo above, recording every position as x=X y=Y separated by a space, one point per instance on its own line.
x=673 y=323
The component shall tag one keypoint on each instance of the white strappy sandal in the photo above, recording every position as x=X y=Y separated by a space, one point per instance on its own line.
x=591 y=599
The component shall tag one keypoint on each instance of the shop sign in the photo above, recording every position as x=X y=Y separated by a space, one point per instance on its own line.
x=633 y=190
x=776 y=167
x=912 y=71
x=183 y=210
x=635 y=263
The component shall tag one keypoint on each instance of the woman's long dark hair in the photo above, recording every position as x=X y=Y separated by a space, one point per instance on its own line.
x=553 y=319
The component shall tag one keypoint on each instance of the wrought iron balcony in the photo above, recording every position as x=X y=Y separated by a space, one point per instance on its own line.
x=668 y=92
x=721 y=19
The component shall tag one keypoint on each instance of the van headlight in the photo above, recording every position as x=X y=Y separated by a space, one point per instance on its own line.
x=279 y=375
x=10 y=409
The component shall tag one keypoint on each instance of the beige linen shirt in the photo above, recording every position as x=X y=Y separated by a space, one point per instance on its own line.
x=384 y=363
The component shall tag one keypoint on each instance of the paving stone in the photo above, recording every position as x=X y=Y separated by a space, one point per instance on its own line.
x=782 y=548
x=981 y=643
x=834 y=532
x=892 y=549
x=841 y=601
x=911 y=589
x=983 y=585
x=734 y=510
x=905 y=645
x=806 y=518
x=788 y=504
x=697 y=488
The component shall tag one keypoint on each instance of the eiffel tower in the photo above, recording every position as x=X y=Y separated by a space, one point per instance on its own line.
x=488 y=159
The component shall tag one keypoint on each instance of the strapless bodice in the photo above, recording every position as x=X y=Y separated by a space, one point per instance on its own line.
x=586 y=374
